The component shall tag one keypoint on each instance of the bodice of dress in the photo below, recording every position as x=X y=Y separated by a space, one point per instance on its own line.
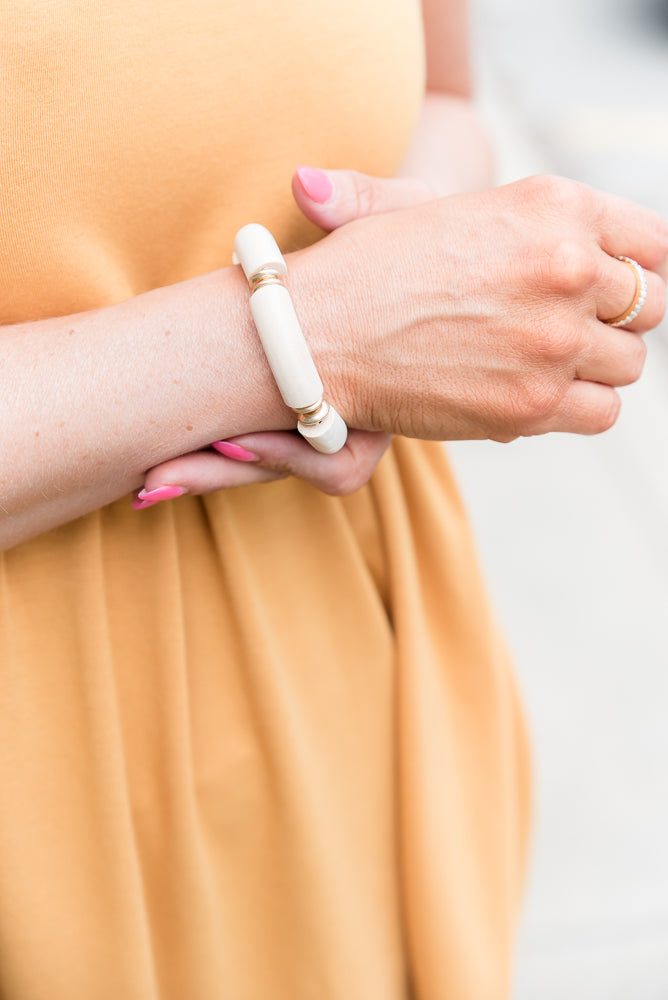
x=138 y=135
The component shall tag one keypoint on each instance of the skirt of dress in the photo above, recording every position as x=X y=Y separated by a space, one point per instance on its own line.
x=264 y=744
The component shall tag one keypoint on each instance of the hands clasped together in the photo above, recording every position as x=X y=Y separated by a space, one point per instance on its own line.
x=480 y=315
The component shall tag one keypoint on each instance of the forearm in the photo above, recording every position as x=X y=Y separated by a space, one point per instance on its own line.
x=447 y=47
x=451 y=149
x=90 y=401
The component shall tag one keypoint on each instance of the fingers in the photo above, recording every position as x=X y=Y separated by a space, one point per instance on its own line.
x=613 y=356
x=331 y=198
x=263 y=458
x=608 y=223
x=199 y=472
x=620 y=227
x=287 y=454
x=578 y=272
x=586 y=408
x=624 y=228
x=580 y=343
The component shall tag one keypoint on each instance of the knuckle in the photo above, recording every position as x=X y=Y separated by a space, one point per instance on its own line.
x=555 y=347
x=352 y=474
x=347 y=483
x=537 y=187
x=533 y=402
x=330 y=487
x=334 y=487
x=503 y=437
x=341 y=489
x=552 y=192
x=569 y=268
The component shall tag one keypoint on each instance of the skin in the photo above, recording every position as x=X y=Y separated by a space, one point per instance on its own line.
x=547 y=247
x=489 y=305
x=450 y=153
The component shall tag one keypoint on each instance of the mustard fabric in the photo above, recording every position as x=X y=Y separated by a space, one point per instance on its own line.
x=264 y=744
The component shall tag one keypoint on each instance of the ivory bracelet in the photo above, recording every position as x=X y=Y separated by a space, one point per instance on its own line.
x=283 y=341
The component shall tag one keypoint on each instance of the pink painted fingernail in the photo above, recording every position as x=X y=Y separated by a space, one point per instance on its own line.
x=315 y=183
x=230 y=450
x=148 y=498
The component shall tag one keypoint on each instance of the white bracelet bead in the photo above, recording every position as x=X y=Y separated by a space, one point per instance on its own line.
x=283 y=340
x=255 y=249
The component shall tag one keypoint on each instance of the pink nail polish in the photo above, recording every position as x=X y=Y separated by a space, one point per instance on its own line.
x=315 y=183
x=230 y=450
x=148 y=498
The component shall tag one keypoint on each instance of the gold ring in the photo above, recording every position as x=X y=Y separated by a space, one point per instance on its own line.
x=638 y=298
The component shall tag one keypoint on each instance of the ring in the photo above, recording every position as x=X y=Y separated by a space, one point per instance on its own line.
x=638 y=298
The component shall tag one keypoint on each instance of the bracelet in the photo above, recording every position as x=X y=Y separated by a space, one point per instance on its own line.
x=283 y=341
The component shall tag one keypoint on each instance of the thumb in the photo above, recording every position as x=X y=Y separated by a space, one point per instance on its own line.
x=331 y=198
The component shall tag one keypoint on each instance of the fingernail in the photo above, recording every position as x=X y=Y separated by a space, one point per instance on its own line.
x=148 y=498
x=230 y=450
x=315 y=183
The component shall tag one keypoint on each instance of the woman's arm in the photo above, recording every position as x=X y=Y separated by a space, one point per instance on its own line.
x=447 y=47
x=451 y=149
x=90 y=401
x=450 y=152
x=470 y=316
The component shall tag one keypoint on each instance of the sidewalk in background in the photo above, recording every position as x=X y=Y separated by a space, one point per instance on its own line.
x=573 y=532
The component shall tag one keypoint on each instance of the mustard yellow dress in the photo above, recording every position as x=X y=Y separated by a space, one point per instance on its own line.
x=216 y=783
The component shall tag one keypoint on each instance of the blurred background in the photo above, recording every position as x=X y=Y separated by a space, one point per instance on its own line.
x=573 y=532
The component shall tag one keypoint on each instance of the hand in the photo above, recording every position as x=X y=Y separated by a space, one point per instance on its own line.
x=480 y=315
x=263 y=458
x=342 y=196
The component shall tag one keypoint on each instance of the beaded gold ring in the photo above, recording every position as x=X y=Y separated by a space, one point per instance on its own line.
x=639 y=296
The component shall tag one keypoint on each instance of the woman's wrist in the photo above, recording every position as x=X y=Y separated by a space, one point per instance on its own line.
x=94 y=400
x=326 y=298
x=239 y=361
x=213 y=379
